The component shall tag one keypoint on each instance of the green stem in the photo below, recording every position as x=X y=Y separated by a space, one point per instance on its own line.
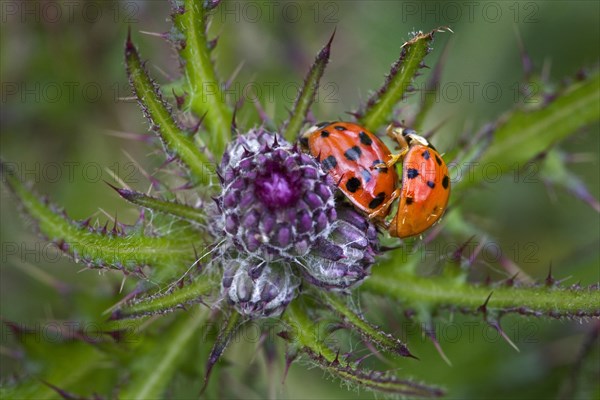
x=174 y=139
x=439 y=291
x=206 y=96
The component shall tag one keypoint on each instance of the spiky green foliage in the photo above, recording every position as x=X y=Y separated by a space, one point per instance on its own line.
x=306 y=97
x=307 y=337
x=126 y=249
x=178 y=210
x=203 y=87
x=169 y=299
x=366 y=330
x=381 y=104
x=438 y=292
x=177 y=143
x=139 y=351
x=522 y=134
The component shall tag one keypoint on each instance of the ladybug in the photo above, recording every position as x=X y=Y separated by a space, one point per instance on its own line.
x=357 y=160
x=425 y=184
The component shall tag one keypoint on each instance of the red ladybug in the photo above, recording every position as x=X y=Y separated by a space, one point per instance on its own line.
x=365 y=171
x=357 y=160
x=425 y=184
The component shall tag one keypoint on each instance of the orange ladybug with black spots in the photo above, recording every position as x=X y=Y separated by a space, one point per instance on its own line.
x=356 y=159
x=365 y=170
x=425 y=185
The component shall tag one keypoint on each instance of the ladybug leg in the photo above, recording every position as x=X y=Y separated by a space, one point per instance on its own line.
x=394 y=159
x=384 y=208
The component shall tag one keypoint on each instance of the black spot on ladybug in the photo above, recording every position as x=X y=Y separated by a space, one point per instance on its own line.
x=364 y=138
x=412 y=173
x=382 y=170
x=304 y=141
x=438 y=160
x=353 y=184
x=353 y=153
x=339 y=128
x=377 y=200
x=445 y=181
x=324 y=133
x=431 y=184
x=409 y=201
x=329 y=163
x=366 y=175
x=322 y=124
x=426 y=154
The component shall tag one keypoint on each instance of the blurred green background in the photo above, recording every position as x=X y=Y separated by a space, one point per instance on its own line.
x=65 y=97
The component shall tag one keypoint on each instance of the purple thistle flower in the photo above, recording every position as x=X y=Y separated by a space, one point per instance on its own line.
x=276 y=202
x=278 y=218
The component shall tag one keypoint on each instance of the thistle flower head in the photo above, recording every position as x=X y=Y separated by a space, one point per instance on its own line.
x=279 y=222
x=276 y=202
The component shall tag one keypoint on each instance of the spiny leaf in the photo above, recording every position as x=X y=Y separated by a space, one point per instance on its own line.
x=374 y=380
x=367 y=331
x=381 y=104
x=307 y=337
x=126 y=252
x=204 y=90
x=173 y=298
x=307 y=94
x=159 y=359
x=230 y=327
x=524 y=133
x=437 y=292
x=159 y=113
x=178 y=210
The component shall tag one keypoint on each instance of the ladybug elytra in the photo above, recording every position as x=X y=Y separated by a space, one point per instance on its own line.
x=356 y=159
x=365 y=170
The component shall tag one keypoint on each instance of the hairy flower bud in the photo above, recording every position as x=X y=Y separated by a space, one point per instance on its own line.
x=345 y=257
x=258 y=288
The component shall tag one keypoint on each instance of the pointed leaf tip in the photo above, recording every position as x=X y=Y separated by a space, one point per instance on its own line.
x=123 y=192
x=233 y=323
x=306 y=97
x=326 y=50
x=61 y=392
x=129 y=46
